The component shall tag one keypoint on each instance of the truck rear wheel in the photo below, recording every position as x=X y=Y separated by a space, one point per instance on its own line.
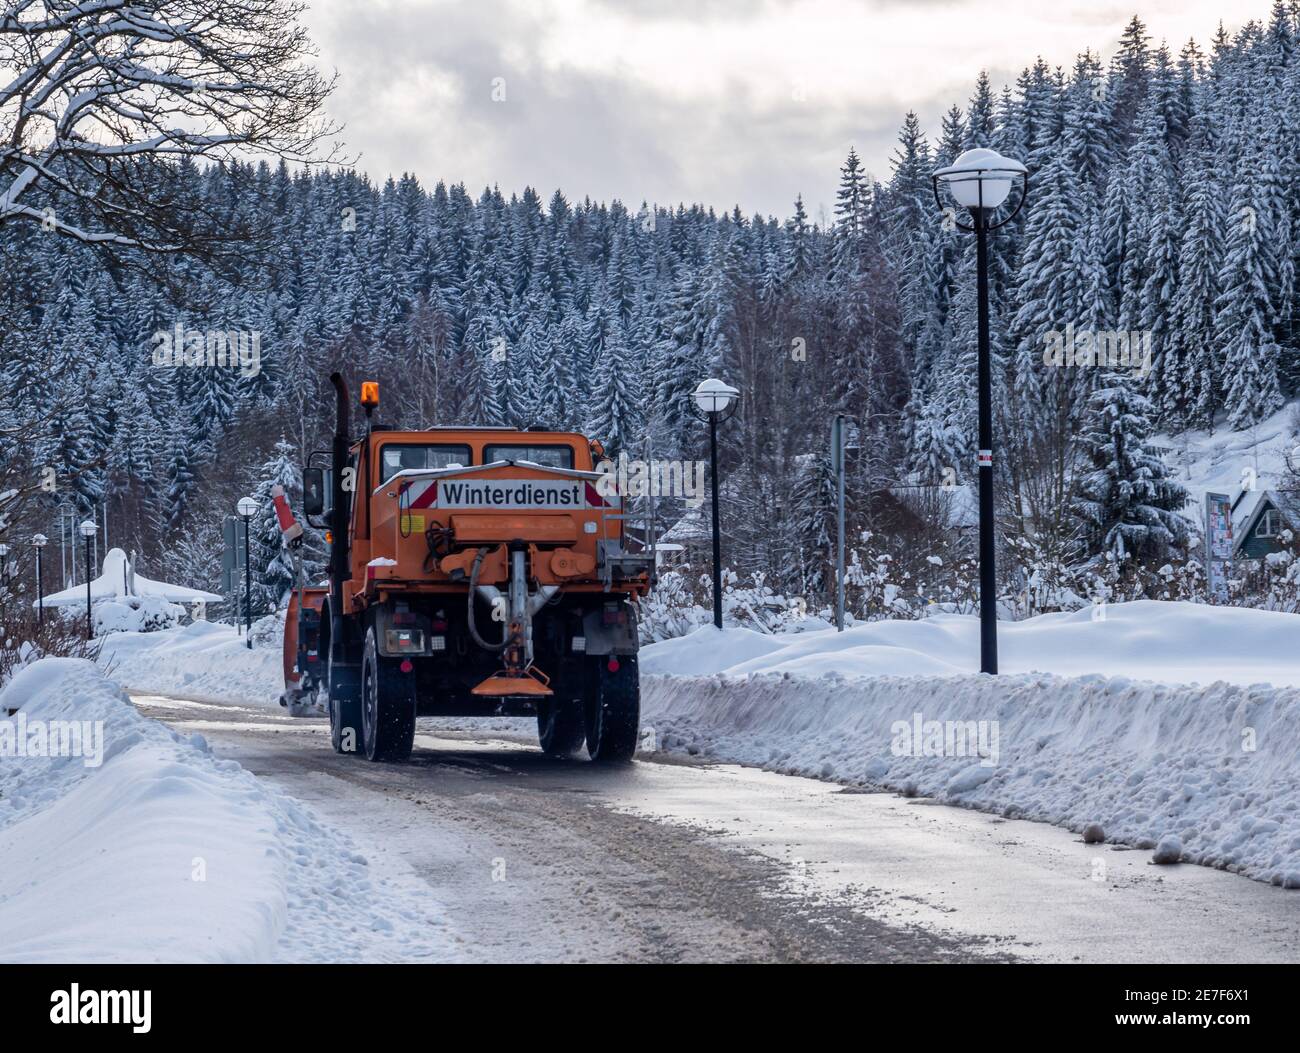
x=614 y=710
x=387 y=705
x=561 y=726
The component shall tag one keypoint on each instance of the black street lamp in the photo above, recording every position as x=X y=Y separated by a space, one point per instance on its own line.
x=715 y=401
x=247 y=508
x=980 y=180
x=88 y=531
x=39 y=541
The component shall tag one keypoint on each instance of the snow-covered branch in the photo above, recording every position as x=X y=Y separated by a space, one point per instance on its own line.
x=105 y=95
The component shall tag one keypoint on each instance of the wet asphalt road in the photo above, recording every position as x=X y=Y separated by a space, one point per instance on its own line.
x=533 y=859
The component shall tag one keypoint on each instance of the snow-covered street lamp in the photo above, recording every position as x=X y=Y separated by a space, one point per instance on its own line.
x=713 y=401
x=88 y=532
x=981 y=180
x=39 y=541
x=247 y=508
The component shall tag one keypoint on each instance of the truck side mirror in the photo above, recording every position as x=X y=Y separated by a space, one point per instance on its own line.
x=313 y=491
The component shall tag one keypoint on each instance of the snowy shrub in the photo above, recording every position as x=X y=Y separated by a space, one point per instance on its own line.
x=138 y=614
x=680 y=604
x=269 y=631
x=24 y=638
x=113 y=616
x=672 y=609
x=888 y=576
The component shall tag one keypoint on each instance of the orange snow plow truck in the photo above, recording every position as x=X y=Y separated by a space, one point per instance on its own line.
x=473 y=571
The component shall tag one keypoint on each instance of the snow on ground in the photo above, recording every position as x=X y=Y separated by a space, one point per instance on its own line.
x=1085 y=731
x=1227 y=461
x=1145 y=761
x=164 y=853
x=205 y=661
x=1178 y=643
x=896 y=704
x=1147 y=640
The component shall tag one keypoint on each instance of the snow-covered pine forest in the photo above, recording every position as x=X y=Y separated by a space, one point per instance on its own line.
x=1164 y=198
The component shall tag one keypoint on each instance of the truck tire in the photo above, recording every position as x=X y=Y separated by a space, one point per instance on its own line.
x=300 y=706
x=387 y=705
x=344 y=704
x=614 y=710
x=561 y=726
x=318 y=699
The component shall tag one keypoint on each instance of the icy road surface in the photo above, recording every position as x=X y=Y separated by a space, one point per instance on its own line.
x=539 y=860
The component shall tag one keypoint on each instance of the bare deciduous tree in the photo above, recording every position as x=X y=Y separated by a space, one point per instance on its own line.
x=104 y=107
x=101 y=99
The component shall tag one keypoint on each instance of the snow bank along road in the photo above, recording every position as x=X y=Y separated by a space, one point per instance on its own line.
x=524 y=858
x=1211 y=767
x=147 y=848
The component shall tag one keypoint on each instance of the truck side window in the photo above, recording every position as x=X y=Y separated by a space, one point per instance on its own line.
x=552 y=455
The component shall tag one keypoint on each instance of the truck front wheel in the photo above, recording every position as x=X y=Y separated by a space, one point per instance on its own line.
x=301 y=704
x=342 y=695
x=614 y=710
x=387 y=705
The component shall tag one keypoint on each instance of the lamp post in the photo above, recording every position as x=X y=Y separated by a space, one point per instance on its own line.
x=4 y=564
x=841 y=428
x=715 y=401
x=980 y=180
x=38 y=542
x=88 y=531
x=247 y=508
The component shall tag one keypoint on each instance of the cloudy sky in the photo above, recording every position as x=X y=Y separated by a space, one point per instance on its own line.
x=721 y=101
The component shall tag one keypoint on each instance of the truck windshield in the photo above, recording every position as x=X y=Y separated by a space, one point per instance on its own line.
x=394 y=459
x=551 y=455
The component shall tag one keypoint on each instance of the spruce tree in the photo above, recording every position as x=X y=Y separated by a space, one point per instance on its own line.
x=179 y=482
x=614 y=417
x=1189 y=368
x=270 y=561
x=1127 y=502
x=1245 y=310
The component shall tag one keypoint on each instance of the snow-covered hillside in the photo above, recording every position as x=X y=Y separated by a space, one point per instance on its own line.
x=1226 y=461
x=164 y=853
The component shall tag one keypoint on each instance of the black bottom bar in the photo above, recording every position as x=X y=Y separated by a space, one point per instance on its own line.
x=384 y=1002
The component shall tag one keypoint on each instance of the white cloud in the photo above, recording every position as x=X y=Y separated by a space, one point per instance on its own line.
x=670 y=101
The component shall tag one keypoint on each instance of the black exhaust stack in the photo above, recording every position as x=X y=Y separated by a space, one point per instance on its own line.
x=340 y=568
